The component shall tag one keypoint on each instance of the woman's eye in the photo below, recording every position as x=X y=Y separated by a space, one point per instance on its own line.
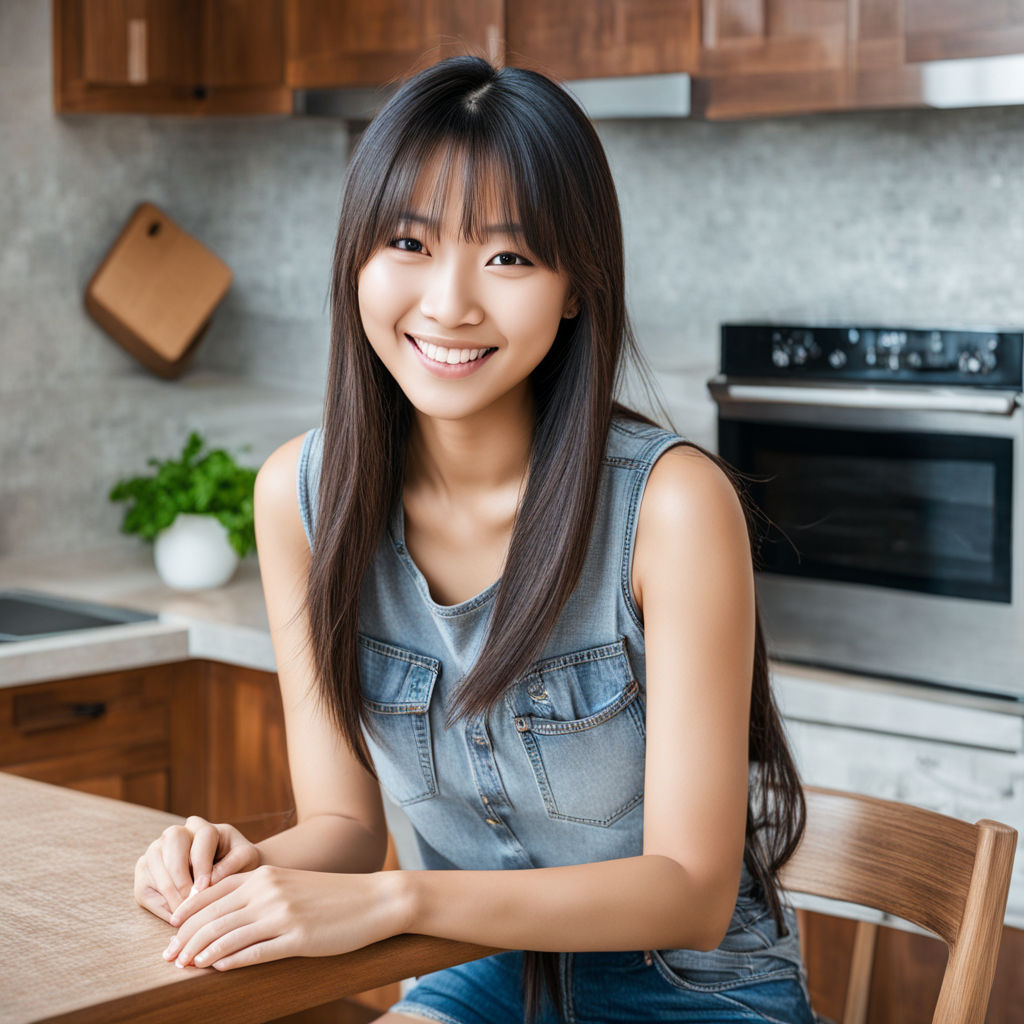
x=510 y=259
x=406 y=244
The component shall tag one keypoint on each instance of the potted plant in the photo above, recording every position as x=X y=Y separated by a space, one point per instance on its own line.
x=197 y=511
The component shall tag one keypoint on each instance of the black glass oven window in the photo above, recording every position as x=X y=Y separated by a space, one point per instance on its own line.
x=924 y=512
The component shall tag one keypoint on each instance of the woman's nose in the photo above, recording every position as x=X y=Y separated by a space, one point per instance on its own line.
x=449 y=296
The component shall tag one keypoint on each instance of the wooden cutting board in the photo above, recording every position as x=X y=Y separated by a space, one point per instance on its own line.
x=156 y=290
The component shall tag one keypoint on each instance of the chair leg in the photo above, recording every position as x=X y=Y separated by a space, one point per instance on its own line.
x=858 y=989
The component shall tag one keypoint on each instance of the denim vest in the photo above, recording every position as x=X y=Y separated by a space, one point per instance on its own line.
x=555 y=775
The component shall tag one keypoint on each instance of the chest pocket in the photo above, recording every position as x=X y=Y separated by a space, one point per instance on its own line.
x=580 y=717
x=396 y=687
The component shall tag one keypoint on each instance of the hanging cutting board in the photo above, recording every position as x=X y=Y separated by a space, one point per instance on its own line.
x=156 y=290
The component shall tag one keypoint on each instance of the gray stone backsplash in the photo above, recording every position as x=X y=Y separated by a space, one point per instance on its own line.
x=906 y=217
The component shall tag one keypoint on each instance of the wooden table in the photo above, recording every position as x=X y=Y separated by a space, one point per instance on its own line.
x=75 y=946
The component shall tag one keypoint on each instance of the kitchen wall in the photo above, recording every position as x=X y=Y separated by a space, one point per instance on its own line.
x=908 y=217
x=76 y=412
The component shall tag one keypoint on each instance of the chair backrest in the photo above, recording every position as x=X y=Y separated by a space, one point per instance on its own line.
x=940 y=873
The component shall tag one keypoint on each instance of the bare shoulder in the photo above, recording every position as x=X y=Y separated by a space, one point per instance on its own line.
x=276 y=496
x=686 y=485
x=691 y=513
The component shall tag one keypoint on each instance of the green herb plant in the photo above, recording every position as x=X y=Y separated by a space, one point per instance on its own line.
x=211 y=484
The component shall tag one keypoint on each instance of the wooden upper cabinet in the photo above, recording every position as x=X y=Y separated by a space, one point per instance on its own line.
x=170 y=56
x=763 y=57
x=602 y=38
x=243 y=43
x=947 y=29
x=766 y=36
x=140 y=42
x=891 y=33
x=358 y=42
x=892 y=39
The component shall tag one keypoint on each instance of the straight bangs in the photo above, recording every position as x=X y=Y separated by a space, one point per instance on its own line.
x=502 y=180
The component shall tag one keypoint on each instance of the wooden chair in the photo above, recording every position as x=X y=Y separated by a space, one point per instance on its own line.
x=940 y=873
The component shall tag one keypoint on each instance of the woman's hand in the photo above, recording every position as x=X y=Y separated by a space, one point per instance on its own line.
x=189 y=858
x=275 y=912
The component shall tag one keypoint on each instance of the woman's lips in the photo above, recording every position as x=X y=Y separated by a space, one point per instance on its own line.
x=449 y=371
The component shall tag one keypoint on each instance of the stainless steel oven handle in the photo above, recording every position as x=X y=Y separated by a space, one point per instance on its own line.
x=995 y=403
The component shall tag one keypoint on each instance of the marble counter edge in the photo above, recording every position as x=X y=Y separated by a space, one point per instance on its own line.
x=136 y=645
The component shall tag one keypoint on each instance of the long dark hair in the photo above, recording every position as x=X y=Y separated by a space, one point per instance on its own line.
x=519 y=141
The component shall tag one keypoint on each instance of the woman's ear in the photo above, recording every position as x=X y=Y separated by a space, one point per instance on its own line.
x=572 y=307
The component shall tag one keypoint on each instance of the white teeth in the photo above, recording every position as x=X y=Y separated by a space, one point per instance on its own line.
x=451 y=356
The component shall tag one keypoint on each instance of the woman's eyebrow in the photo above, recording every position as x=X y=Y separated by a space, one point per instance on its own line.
x=502 y=228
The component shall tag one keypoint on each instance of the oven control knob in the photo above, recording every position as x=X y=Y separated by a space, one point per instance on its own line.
x=780 y=357
x=799 y=355
x=870 y=357
x=837 y=358
x=969 y=362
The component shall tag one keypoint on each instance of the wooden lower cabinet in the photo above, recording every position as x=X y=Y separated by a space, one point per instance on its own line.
x=107 y=734
x=230 y=755
x=907 y=973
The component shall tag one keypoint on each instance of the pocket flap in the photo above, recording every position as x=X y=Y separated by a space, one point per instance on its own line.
x=577 y=686
x=395 y=681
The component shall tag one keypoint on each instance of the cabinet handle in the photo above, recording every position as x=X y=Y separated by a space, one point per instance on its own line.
x=34 y=716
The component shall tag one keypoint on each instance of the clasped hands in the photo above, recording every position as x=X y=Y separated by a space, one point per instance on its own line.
x=239 y=911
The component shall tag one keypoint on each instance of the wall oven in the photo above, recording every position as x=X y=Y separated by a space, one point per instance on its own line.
x=889 y=466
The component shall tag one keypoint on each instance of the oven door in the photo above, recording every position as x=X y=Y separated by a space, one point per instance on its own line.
x=892 y=518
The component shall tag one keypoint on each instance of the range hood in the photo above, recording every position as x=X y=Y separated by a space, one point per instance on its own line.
x=633 y=96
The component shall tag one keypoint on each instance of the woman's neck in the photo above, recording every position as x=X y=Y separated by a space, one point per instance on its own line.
x=470 y=457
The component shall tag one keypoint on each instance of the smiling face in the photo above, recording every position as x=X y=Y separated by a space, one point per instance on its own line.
x=460 y=322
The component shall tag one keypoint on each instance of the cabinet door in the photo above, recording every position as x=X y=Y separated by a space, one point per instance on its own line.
x=139 y=42
x=600 y=38
x=247 y=757
x=243 y=43
x=945 y=29
x=772 y=56
x=169 y=56
x=892 y=38
x=107 y=734
x=371 y=42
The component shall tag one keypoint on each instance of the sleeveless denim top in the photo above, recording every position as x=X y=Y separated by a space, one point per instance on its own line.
x=555 y=775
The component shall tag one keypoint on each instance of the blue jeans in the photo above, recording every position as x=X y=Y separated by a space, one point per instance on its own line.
x=609 y=988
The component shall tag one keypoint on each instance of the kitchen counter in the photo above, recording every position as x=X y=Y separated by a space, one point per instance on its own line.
x=228 y=624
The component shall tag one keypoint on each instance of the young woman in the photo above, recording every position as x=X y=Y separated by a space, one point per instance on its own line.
x=523 y=611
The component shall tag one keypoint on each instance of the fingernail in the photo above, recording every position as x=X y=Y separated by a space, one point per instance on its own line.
x=172 y=950
x=202 y=882
x=195 y=888
x=181 y=961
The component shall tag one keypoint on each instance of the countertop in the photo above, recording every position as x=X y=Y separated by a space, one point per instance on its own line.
x=227 y=624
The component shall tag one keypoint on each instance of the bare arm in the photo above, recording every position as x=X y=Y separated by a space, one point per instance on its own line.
x=340 y=817
x=341 y=821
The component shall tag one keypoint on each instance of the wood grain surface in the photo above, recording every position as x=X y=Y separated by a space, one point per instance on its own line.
x=75 y=946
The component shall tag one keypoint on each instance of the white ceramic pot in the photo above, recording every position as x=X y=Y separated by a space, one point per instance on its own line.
x=193 y=553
